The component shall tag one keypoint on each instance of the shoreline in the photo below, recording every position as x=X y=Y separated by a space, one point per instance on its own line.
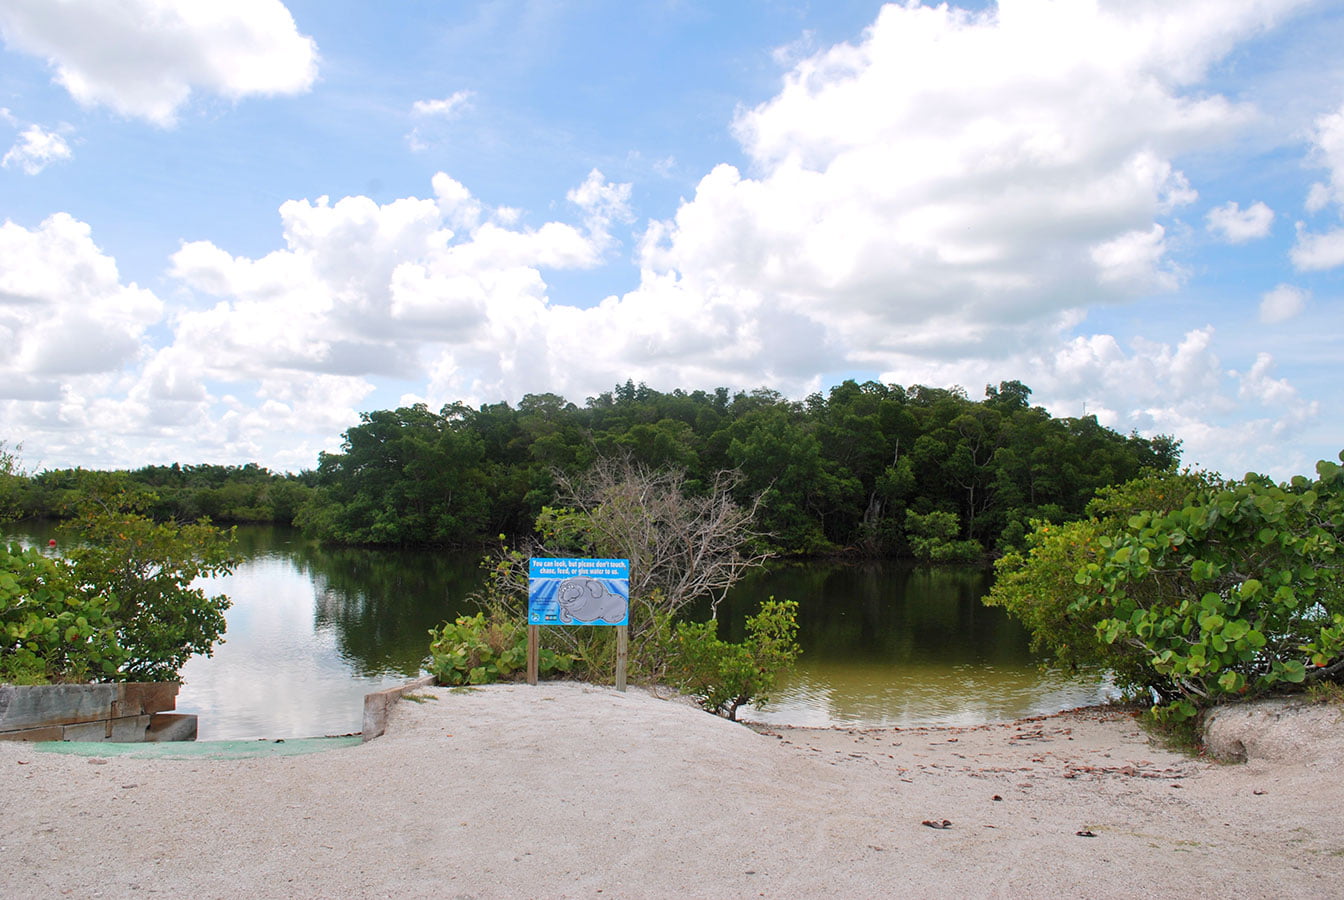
x=573 y=790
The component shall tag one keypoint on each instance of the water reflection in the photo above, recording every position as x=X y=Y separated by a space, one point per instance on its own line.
x=313 y=629
x=897 y=644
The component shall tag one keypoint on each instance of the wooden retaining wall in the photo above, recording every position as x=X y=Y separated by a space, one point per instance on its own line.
x=131 y=712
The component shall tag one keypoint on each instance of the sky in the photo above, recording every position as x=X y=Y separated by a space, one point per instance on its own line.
x=226 y=230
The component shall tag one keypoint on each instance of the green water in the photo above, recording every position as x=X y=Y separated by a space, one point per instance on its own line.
x=312 y=629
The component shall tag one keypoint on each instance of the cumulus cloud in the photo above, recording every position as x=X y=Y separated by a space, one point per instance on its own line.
x=366 y=290
x=144 y=58
x=1324 y=250
x=1282 y=303
x=1236 y=225
x=983 y=175
x=1318 y=250
x=63 y=310
x=940 y=200
x=1228 y=419
x=36 y=149
x=1328 y=151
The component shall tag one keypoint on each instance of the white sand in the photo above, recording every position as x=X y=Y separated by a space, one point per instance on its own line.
x=567 y=790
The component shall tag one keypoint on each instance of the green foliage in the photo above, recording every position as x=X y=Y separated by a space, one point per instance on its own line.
x=121 y=605
x=1037 y=585
x=247 y=493
x=49 y=630
x=146 y=571
x=835 y=472
x=407 y=476
x=932 y=538
x=1237 y=593
x=480 y=650
x=722 y=675
x=11 y=481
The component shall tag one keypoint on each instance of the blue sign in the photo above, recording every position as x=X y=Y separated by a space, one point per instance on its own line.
x=578 y=592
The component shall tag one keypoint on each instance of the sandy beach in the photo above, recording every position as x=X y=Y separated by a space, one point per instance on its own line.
x=571 y=790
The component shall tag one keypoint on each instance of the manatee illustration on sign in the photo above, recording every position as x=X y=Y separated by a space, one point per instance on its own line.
x=587 y=600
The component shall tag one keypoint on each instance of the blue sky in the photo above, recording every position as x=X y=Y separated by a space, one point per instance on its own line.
x=226 y=232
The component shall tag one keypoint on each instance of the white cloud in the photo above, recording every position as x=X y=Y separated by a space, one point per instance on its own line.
x=36 y=149
x=1318 y=250
x=1228 y=420
x=144 y=58
x=1324 y=250
x=1236 y=225
x=980 y=176
x=63 y=310
x=1328 y=150
x=447 y=107
x=420 y=139
x=1282 y=303
x=364 y=290
x=938 y=202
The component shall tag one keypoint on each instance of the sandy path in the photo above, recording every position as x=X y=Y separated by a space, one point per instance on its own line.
x=566 y=790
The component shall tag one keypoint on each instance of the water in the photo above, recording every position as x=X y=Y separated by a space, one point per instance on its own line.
x=313 y=629
x=899 y=644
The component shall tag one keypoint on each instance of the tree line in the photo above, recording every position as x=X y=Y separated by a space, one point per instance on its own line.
x=868 y=468
x=227 y=494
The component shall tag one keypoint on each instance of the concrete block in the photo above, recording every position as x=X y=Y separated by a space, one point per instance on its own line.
x=25 y=707
x=128 y=730
x=28 y=706
x=139 y=698
x=378 y=705
x=171 y=727
x=45 y=733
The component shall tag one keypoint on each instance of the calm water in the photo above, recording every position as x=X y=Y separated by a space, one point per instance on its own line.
x=313 y=629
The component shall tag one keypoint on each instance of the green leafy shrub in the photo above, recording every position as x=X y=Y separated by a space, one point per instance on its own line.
x=480 y=650
x=722 y=675
x=147 y=569
x=1038 y=585
x=49 y=631
x=1236 y=594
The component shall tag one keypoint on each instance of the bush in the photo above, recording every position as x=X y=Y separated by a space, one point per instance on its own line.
x=146 y=570
x=477 y=650
x=683 y=546
x=49 y=631
x=724 y=676
x=1039 y=587
x=1236 y=594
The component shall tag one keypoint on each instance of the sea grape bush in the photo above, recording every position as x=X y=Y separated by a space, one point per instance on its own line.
x=1236 y=594
x=50 y=631
x=1038 y=584
x=480 y=650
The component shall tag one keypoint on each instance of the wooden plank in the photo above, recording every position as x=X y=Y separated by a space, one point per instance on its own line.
x=140 y=698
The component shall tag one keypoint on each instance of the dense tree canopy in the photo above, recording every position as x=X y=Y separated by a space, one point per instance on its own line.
x=834 y=472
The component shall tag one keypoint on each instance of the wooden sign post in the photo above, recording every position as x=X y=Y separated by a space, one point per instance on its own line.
x=533 y=652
